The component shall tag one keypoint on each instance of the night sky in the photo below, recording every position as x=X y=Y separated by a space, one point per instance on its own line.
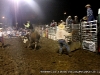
x=49 y=10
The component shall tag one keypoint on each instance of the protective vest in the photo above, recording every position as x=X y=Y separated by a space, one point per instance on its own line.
x=28 y=25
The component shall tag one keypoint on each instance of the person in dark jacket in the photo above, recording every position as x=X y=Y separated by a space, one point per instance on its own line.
x=69 y=20
x=75 y=21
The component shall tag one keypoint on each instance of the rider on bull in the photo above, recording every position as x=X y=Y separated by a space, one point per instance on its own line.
x=27 y=25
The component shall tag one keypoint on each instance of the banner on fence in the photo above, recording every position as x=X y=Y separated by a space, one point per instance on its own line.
x=89 y=45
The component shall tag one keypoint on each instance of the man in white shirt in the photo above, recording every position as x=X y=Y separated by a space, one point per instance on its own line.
x=1 y=37
x=60 y=36
x=9 y=33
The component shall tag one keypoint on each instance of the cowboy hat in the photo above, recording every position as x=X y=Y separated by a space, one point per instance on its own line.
x=75 y=16
x=84 y=18
x=88 y=5
x=61 y=26
x=69 y=16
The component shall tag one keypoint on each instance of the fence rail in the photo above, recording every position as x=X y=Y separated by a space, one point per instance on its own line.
x=85 y=34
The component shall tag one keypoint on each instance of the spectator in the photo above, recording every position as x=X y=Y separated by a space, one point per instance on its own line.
x=75 y=21
x=52 y=23
x=69 y=20
x=90 y=16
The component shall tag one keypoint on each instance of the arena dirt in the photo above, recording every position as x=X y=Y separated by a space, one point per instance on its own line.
x=15 y=59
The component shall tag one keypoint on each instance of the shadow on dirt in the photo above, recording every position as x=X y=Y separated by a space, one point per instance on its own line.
x=32 y=47
x=7 y=45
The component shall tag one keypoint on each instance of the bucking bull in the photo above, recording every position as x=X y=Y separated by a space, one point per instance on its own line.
x=33 y=39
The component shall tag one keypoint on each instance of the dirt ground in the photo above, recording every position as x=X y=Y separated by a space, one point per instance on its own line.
x=15 y=59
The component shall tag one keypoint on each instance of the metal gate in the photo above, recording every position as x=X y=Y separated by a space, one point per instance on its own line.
x=89 y=35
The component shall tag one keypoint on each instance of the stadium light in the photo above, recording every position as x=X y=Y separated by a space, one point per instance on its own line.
x=17 y=1
x=34 y=7
x=3 y=17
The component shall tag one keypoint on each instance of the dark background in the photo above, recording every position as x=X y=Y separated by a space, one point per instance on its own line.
x=49 y=10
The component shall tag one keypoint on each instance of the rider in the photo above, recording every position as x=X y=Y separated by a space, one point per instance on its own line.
x=27 y=25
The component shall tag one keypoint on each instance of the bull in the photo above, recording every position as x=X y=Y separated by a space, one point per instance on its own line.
x=33 y=39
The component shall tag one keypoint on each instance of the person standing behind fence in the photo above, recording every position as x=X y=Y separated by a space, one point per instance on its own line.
x=60 y=36
x=52 y=23
x=90 y=15
x=69 y=20
x=75 y=21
